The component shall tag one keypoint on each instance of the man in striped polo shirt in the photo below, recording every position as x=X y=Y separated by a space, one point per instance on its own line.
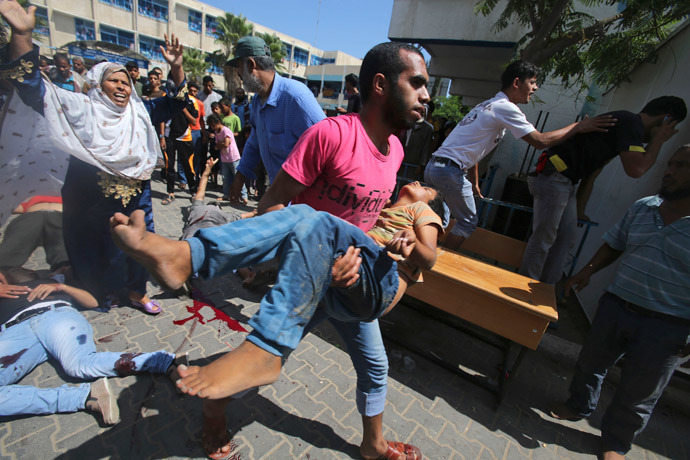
x=644 y=314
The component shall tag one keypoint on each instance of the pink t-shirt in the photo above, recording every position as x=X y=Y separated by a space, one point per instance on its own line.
x=344 y=173
x=231 y=153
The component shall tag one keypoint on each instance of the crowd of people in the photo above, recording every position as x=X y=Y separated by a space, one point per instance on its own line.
x=347 y=247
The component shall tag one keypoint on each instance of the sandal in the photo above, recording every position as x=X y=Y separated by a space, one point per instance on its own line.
x=399 y=450
x=217 y=453
x=168 y=200
x=152 y=307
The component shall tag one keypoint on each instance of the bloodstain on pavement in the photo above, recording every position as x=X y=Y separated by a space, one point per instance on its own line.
x=81 y=339
x=195 y=310
x=6 y=361
x=125 y=365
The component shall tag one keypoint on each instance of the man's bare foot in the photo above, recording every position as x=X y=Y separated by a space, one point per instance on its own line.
x=245 y=367
x=169 y=261
x=612 y=455
x=215 y=438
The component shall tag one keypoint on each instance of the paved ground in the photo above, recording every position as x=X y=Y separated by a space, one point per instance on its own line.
x=310 y=412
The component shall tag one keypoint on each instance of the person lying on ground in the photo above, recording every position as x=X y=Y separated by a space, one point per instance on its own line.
x=40 y=321
x=306 y=242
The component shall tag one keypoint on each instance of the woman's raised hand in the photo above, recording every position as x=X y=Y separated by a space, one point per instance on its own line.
x=20 y=20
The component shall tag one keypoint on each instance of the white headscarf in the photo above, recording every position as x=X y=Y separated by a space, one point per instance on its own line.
x=119 y=140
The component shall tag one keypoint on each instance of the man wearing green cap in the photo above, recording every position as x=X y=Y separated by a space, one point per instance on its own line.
x=280 y=112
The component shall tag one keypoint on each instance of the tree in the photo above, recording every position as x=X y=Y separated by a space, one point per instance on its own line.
x=576 y=46
x=275 y=44
x=450 y=108
x=194 y=64
x=229 y=30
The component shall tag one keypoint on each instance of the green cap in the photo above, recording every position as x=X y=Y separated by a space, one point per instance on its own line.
x=249 y=47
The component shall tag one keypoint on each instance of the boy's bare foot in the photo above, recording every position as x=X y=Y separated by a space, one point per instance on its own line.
x=215 y=437
x=169 y=261
x=245 y=367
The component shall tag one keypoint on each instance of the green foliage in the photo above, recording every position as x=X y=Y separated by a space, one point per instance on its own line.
x=230 y=29
x=450 y=108
x=194 y=64
x=275 y=44
x=577 y=47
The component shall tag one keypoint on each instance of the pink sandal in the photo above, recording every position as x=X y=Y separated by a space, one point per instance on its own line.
x=152 y=307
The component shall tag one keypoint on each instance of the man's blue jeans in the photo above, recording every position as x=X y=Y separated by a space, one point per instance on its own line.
x=67 y=336
x=651 y=347
x=554 y=227
x=457 y=194
x=307 y=242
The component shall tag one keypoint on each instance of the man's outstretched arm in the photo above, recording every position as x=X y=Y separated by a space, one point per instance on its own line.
x=545 y=140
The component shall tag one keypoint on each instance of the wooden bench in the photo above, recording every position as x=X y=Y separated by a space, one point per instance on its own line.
x=510 y=305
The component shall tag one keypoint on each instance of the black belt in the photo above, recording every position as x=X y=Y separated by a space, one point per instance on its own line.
x=23 y=316
x=641 y=311
x=446 y=161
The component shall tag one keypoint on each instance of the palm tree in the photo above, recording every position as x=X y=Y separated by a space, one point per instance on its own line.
x=275 y=44
x=194 y=64
x=229 y=30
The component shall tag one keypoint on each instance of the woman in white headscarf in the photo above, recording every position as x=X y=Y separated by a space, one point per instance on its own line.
x=114 y=149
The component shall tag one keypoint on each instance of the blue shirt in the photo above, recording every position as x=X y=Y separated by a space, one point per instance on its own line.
x=654 y=271
x=277 y=124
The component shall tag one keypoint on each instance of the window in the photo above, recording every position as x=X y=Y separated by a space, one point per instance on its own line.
x=154 y=9
x=194 y=21
x=211 y=26
x=215 y=68
x=301 y=56
x=149 y=47
x=124 y=4
x=85 y=30
x=328 y=60
x=119 y=37
x=287 y=49
x=41 y=21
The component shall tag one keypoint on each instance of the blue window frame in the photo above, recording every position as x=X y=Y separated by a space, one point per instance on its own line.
x=287 y=49
x=84 y=30
x=211 y=26
x=154 y=9
x=149 y=47
x=215 y=68
x=316 y=60
x=117 y=36
x=124 y=4
x=301 y=56
x=42 y=16
x=194 y=21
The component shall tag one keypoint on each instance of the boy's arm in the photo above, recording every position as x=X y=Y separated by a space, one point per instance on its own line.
x=418 y=245
x=83 y=298
x=203 y=181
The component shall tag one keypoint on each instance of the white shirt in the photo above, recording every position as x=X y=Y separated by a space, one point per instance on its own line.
x=481 y=129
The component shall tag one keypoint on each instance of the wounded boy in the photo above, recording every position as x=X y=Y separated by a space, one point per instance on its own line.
x=38 y=321
x=306 y=242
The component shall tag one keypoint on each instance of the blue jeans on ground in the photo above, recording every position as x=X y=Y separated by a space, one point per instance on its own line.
x=651 y=346
x=67 y=336
x=554 y=227
x=457 y=193
x=228 y=171
x=307 y=242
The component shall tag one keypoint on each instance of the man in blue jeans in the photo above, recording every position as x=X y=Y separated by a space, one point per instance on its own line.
x=643 y=315
x=453 y=167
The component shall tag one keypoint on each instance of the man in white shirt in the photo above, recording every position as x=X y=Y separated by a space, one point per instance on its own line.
x=479 y=132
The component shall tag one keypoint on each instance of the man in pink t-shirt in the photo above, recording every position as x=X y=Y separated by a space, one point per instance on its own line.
x=347 y=166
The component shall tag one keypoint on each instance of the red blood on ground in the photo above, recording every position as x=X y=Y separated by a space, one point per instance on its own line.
x=195 y=310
